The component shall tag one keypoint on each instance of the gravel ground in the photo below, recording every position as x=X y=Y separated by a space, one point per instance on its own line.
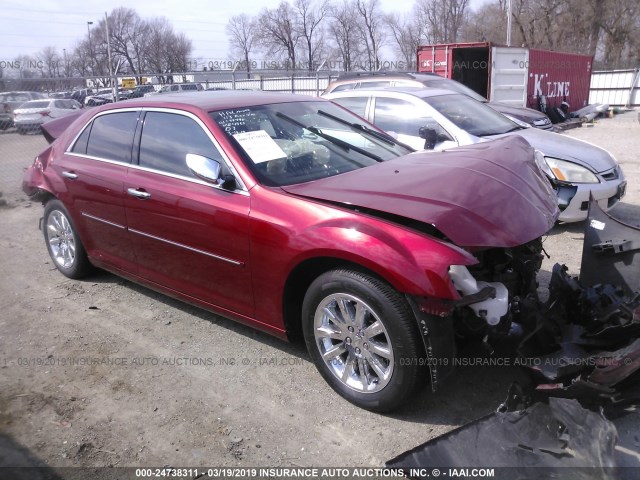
x=103 y=372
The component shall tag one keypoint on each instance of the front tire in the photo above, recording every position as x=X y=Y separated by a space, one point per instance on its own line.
x=63 y=242
x=363 y=339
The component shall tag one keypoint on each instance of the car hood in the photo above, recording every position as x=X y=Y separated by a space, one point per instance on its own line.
x=566 y=148
x=490 y=194
x=521 y=113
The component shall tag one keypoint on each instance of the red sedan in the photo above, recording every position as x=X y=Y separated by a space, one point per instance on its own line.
x=291 y=215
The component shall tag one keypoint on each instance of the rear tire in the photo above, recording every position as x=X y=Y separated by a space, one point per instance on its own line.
x=63 y=242
x=363 y=339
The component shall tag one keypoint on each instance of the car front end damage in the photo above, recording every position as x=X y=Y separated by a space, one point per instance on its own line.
x=579 y=372
x=501 y=228
x=497 y=301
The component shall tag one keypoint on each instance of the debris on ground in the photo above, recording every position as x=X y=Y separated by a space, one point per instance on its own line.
x=582 y=358
x=544 y=437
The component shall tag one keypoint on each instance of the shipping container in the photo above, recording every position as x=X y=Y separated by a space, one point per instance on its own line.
x=518 y=76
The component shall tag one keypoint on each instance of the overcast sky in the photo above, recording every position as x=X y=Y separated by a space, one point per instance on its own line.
x=25 y=28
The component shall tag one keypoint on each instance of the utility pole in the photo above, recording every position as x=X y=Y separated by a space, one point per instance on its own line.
x=509 y=23
x=115 y=88
x=90 y=48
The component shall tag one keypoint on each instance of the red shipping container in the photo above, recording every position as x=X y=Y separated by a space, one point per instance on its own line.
x=515 y=75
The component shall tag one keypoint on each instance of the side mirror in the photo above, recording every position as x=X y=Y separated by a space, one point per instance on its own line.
x=210 y=171
x=430 y=136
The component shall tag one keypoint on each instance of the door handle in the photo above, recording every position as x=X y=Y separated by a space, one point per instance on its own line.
x=69 y=175
x=138 y=193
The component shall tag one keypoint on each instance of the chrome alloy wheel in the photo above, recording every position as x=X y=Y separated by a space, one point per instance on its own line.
x=353 y=343
x=61 y=239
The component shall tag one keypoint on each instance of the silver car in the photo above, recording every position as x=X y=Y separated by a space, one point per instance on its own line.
x=439 y=119
x=31 y=115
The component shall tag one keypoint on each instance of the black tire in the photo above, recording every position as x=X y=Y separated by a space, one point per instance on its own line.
x=372 y=382
x=21 y=131
x=63 y=242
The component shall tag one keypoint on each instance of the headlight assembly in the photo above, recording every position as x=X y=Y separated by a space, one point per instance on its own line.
x=568 y=171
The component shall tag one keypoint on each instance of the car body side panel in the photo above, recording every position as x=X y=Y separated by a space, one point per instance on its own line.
x=411 y=262
x=94 y=199
x=191 y=238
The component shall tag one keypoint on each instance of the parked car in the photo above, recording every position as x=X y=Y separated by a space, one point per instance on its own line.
x=176 y=88
x=140 y=91
x=105 y=96
x=575 y=168
x=124 y=93
x=9 y=101
x=289 y=214
x=31 y=115
x=101 y=97
x=352 y=81
x=60 y=95
x=80 y=94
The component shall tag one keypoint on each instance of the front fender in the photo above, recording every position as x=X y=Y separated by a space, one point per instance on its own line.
x=411 y=262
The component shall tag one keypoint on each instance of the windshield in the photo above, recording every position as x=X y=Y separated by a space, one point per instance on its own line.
x=455 y=87
x=298 y=142
x=471 y=116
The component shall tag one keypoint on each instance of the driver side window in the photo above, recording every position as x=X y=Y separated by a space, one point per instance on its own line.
x=167 y=138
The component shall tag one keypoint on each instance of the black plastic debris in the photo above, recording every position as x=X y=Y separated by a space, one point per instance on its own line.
x=610 y=252
x=529 y=444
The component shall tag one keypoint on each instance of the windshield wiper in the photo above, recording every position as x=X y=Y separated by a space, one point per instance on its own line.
x=360 y=128
x=336 y=141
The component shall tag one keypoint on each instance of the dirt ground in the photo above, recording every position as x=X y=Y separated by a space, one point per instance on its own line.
x=103 y=372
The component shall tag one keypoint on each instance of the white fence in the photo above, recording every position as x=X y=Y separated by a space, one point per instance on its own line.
x=617 y=87
x=304 y=85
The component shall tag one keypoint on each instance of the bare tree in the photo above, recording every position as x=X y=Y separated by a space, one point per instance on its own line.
x=621 y=27
x=408 y=32
x=372 y=30
x=138 y=45
x=50 y=62
x=309 y=20
x=241 y=31
x=344 y=29
x=278 y=32
x=443 y=18
x=128 y=35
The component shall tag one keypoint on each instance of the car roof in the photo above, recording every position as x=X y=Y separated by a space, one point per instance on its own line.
x=355 y=76
x=214 y=100
x=414 y=91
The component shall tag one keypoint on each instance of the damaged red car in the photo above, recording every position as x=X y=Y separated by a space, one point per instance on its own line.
x=292 y=215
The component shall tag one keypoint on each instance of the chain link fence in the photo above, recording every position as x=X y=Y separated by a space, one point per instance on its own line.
x=302 y=82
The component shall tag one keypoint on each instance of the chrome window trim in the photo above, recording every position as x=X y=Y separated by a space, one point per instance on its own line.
x=98 y=159
x=102 y=220
x=189 y=179
x=208 y=254
x=241 y=187
x=99 y=114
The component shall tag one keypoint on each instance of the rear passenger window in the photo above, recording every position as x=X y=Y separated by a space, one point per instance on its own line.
x=376 y=84
x=112 y=136
x=167 y=138
x=343 y=88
